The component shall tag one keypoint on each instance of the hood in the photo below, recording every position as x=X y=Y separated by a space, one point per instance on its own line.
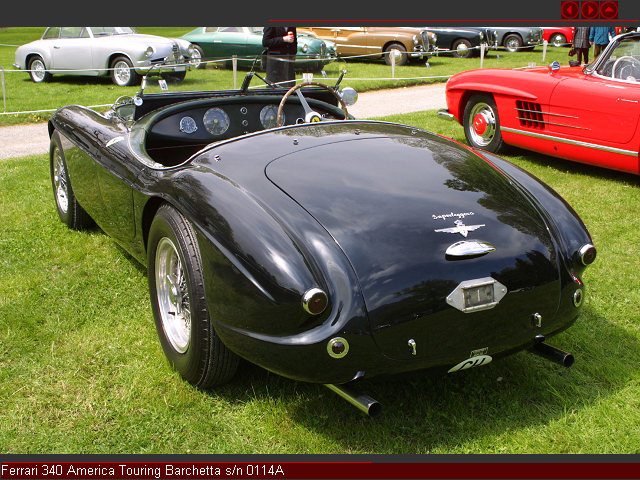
x=396 y=203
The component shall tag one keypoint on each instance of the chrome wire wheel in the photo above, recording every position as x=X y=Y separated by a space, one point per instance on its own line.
x=60 y=186
x=121 y=73
x=172 y=296
x=483 y=124
x=38 y=70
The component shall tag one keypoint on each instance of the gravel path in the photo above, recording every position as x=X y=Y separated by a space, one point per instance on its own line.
x=33 y=139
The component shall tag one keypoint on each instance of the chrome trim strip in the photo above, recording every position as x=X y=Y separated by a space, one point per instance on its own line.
x=550 y=123
x=572 y=142
x=546 y=113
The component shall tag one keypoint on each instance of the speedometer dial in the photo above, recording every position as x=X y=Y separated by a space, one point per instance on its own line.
x=216 y=121
x=269 y=116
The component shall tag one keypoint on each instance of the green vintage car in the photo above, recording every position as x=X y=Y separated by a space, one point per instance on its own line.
x=219 y=44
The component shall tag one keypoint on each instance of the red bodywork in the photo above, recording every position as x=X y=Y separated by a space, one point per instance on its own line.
x=582 y=117
x=566 y=31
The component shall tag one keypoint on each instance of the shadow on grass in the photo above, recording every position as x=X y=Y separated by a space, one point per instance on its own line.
x=422 y=412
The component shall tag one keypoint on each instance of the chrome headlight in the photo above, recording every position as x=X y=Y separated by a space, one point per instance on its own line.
x=433 y=37
x=416 y=40
x=305 y=48
x=481 y=36
x=148 y=52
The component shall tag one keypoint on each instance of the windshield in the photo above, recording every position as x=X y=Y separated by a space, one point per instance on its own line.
x=102 y=31
x=624 y=60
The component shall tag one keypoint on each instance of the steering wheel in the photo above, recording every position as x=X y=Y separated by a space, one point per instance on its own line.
x=624 y=57
x=309 y=114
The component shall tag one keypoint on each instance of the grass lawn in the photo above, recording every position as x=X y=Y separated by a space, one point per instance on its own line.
x=82 y=371
x=24 y=95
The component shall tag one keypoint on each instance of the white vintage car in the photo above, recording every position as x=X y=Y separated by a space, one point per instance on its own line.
x=120 y=52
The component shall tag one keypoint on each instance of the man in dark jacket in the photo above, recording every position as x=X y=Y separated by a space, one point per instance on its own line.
x=281 y=44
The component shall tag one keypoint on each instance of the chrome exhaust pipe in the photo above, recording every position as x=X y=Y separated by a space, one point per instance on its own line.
x=361 y=401
x=554 y=354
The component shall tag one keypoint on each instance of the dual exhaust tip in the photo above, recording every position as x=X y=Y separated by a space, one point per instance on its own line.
x=373 y=408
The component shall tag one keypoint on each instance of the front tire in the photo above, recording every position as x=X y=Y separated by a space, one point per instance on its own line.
x=69 y=210
x=462 y=48
x=38 y=70
x=482 y=123
x=176 y=285
x=122 y=72
x=513 y=42
x=399 y=51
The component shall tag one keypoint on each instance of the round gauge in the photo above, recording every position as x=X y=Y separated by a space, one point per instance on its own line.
x=188 y=125
x=269 y=116
x=216 y=121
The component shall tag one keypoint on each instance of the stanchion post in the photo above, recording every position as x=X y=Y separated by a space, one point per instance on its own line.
x=482 y=46
x=4 y=94
x=234 y=62
x=544 y=50
x=392 y=53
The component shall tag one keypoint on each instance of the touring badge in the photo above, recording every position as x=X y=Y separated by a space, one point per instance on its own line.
x=460 y=228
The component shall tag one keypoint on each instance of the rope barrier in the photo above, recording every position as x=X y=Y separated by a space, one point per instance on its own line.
x=254 y=59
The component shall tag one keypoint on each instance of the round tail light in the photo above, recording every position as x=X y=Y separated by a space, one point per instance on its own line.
x=314 y=301
x=587 y=254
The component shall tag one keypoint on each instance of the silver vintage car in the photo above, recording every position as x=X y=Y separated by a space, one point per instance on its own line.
x=119 y=52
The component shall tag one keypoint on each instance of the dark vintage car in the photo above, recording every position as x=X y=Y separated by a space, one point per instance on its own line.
x=326 y=249
x=216 y=43
x=462 y=42
x=514 y=39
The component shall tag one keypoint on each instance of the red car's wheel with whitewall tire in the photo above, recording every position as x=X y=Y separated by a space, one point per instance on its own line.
x=482 y=124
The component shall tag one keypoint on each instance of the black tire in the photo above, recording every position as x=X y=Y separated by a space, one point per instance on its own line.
x=512 y=42
x=197 y=60
x=69 y=210
x=462 y=48
x=482 y=124
x=401 y=54
x=176 y=285
x=174 y=77
x=38 y=70
x=557 y=40
x=122 y=72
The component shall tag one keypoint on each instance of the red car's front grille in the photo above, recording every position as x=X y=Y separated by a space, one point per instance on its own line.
x=529 y=114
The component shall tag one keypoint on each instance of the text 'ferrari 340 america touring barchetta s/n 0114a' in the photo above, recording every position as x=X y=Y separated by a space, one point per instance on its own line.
x=278 y=229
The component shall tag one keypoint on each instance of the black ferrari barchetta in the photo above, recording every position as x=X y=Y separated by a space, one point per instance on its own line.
x=278 y=229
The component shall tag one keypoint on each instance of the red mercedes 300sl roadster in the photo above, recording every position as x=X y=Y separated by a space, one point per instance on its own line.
x=585 y=114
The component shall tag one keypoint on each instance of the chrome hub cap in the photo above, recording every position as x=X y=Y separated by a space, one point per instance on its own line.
x=60 y=182
x=122 y=73
x=173 y=298
x=483 y=124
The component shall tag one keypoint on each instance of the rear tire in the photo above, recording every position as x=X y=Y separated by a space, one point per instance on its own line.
x=513 y=42
x=482 y=124
x=558 y=40
x=176 y=285
x=197 y=60
x=69 y=210
x=398 y=49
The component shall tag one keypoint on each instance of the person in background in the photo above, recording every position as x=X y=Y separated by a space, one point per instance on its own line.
x=581 y=44
x=599 y=37
x=281 y=44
